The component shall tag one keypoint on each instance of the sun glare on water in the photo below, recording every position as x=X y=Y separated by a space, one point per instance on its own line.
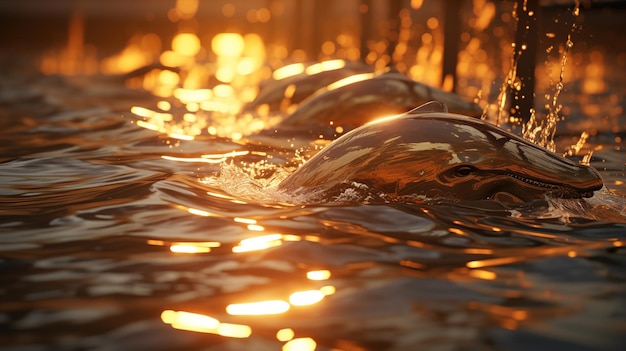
x=231 y=320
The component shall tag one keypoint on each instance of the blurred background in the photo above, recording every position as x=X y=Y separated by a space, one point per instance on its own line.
x=465 y=46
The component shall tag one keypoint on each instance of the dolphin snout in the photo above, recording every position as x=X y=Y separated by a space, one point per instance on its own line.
x=588 y=179
x=552 y=169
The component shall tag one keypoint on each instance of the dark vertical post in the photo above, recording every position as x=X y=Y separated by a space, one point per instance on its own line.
x=451 y=38
x=393 y=17
x=526 y=38
x=365 y=8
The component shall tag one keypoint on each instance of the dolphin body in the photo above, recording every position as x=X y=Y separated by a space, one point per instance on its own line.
x=360 y=99
x=275 y=95
x=435 y=154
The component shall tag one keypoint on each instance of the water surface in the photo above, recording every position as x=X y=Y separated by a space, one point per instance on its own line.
x=98 y=230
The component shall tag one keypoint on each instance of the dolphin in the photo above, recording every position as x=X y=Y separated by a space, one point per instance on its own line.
x=362 y=98
x=431 y=153
x=278 y=95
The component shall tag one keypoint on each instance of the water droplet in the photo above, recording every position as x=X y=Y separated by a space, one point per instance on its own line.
x=570 y=43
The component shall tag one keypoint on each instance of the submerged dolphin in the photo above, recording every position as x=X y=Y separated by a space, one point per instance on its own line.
x=429 y=152
x=278 y=95
x=359 y=99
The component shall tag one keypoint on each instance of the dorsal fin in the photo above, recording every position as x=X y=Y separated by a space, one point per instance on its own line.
x=432 y=106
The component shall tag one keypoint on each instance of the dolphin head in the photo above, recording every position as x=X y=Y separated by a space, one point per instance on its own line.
x=438 y=154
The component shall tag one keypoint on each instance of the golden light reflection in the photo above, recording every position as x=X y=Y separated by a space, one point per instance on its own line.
x=457 y=231
x=417 y=4
x=482 y=274
x=304 y=298
x=186 y=44
x=186 y=8
x=350 y=80
x=164 y=105
x=382 y=119
x=198 y=321
x=218 y=195
x=192 y=95
x=147 y=125
x=244 y=220
x=323 y=274
x=239 y=66
x=329 y=65
x=300 y=344
x=493 y=262
x=189 y=249
x=288 y=71
x=312 y=238
x=259 y=243
x=213 y=158
x=226 y=155
x=191 y=160
x=291 y=237
x=234 y=330
x=285 y=334
x=268 y=307
x=228 y=44
x=180 y=136
x=201 y=323
x=328 y=290
x=256 y=227
x=193 y=247
x=142 y=112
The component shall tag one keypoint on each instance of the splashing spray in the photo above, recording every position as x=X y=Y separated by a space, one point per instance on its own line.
x=542 y=132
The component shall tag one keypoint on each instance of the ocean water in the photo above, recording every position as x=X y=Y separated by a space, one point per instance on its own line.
x=107 y=244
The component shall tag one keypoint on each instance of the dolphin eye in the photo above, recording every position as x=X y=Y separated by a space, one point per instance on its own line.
x=464 y=171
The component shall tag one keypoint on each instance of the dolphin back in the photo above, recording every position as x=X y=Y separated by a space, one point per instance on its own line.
x=436 y=153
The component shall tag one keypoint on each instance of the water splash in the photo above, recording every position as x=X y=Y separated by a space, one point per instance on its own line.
x=502 y=112
x=511 y=82
x=253 y=182
x=542 y=132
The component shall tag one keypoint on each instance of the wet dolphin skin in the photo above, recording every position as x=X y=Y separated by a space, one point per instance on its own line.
x=432 y=153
